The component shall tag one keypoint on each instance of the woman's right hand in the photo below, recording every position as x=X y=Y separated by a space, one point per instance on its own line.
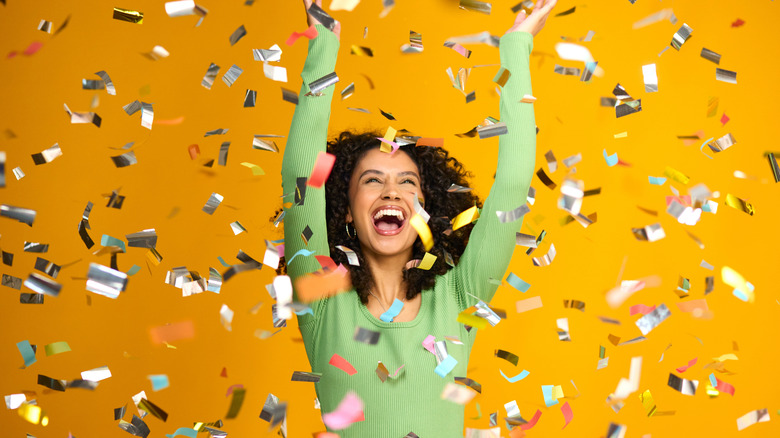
x=535 y=22
x=311 y=21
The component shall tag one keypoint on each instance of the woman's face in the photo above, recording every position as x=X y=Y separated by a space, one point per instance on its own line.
x=381 y=201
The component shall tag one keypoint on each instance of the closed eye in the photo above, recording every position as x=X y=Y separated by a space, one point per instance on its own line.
x=410 y=181
x=370 y=180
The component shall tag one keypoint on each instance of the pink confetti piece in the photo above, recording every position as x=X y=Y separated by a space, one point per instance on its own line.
x=350 y=410
x=428 y=343
x=724 y=387
x=342 y=364
x=326 y=262
x=321 y=170
x=532 y=422
x=691 y=363
x=393 y=144
x=458 y=48
x=567 y=414
x=724 y=119
x=233 y=387
x=32 y=48
x=641 y=308
x=309 y=33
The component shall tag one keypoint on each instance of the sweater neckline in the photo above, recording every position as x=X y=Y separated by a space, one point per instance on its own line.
x=404 y=324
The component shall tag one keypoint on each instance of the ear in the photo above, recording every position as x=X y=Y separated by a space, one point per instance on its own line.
x=349 y=215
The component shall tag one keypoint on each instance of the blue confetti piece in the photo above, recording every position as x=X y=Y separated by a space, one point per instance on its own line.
x=305 y=311
x=713 y=380
x=656 y=180
x=134 y=270
x=393 y=311
x=107 y=240
x=28 y=354
x=302 y=252
x=224 y=263
x=548 y=397
x=523 y=374
x=277 y=242
x=445 y=366
x=701 y=149
x=159 y=381
x=611 y=160
x=742 y=295
x=184 y=431
x=517 y=283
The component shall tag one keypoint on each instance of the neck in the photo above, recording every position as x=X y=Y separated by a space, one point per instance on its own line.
x=387 y=273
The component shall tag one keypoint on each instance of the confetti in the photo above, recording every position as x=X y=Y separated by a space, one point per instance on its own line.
x=546 y=259
x=343 y=5
x=691 y=363
x=42 y=285
x=517 y=283
x=128 y=15
x=456 y=393
x=520 y=376
x=686 y=387
x=446 y=366
x=309 y=33
x=509 y=357
x=681 y=36
x=350 y=410
x=476 y=6
x=172 y=332
x=274 y=53
x=726 y=75
x=739 y=204
x=56 y=348
x=342 y=364
x=211 y=74
x=366 y=336
x=105 y=281
x=512 y=215
x=529 y=304
x=567 y=414
x=237 y=35
x=650 y=78
x=211 y=205
x=235 y=71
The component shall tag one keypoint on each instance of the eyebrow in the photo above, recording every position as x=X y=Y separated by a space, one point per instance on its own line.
x=376 y=172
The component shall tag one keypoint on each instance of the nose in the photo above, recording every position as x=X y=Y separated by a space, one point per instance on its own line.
x=390 y=191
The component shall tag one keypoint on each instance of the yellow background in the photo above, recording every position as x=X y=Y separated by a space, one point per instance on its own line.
x=166 y=191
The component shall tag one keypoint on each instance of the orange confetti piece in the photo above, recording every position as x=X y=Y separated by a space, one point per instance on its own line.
x=316 y=286
x=172 y=332
x=194 y=151
x=690 y=306
x=427 y=141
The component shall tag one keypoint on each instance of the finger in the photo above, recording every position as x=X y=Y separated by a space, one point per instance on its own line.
x=337 y=29
x=521 y=16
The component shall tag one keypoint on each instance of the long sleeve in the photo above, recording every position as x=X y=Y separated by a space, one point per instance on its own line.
x=307 y=137
x=491 y=242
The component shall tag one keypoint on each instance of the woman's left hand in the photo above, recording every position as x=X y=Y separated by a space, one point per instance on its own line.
x=533 y=23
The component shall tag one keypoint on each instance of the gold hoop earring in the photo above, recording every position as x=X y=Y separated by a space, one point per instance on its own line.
x=346 y=226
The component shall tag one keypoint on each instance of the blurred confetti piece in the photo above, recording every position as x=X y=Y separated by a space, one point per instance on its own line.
x=309 y=33
x=211 y=205
x=529 y=304
x=722 y=386
x=458 y=48
x=445 y=366
x=563 y=329
x=517 y=283
x=105 y=281
x=366 y=336
x=18 y=173
x=650 y=233
x=423 y=231
x=313 y=286
x=226 y=317
x=676 y=175
x=172 y=332
x=628 y=386
x=159 y=381
x=235 y=403
x=13 y=401
x=348 y=91
x=342 y=364
x=695 y=306
x=772 y=164
x=691 y=363
x=275 y=73
x=566 y=71
x=739 y=22
x=753 y=417
x=476 y=6
x=274 y=53
x=641 y=309
x=456 y=393
x=266 y=145
x=737 y=281
x=686 y=387
x=350 y=410
x=362 y=51
x=124 y=160
x=650 y=78
x=128 y=15
x=44 y=26
x=573 y=52
x=657 y=180
x=96 y=374
x=56 y=348
x=520 y=376
x=321 y=170
x=184 y=431
x=33 y=414
x=722 y=143
x=256 y=170
x=567 y=414
x=343 y=5
x=739 y=204
x=20 y=214
x=681 y=36
x=27 y=352
x=42 y=285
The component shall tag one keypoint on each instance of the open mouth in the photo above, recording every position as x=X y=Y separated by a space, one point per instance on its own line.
x=389 y=221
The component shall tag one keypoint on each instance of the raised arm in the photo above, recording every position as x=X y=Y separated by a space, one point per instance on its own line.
x=307 y=137
x=491 y=242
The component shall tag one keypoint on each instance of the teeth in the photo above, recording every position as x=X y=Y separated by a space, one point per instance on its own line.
x=387 y=212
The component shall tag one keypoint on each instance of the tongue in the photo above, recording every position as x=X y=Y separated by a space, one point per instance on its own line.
x=386 y=225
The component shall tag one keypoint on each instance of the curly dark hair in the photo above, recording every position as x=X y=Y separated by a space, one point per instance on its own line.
x=438 y=170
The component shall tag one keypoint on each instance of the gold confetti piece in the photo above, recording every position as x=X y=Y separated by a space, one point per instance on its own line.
x=124 y=160
x=361 y=51
x=681 y=36
x=574 y=304
x=676 y=175
x=237 y=35
x=56 y=348
x=506 y=355
x=33 y=413
x=423 y=231
x=566 y=71
x=128 y=15
x=466 y=217
x=502 y=76
x=427 y=261
x=256 y=170
x=739 y=204
x=648 y=403
x=476 y=6
x=722 y=143
x=459 y=83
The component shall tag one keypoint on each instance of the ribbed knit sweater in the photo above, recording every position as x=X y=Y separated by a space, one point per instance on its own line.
x=412 y=401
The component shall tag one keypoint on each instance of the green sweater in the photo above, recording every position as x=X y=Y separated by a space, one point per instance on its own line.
x=412 y=401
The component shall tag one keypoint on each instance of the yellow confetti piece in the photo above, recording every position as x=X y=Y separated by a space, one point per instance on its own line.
x=740 y=204
x=465 y=217
x=648 y=403
x=557 y=392
x=472 y=320
x=154 y=256
x=427 y=261
x=56 y=348
x=676 y=175
x=422 y=229
x=623 y=134
x=256 y=170
x=725 y=357
x=33 y=413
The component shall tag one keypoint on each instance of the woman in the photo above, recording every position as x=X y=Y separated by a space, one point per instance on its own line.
x=366 y=206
